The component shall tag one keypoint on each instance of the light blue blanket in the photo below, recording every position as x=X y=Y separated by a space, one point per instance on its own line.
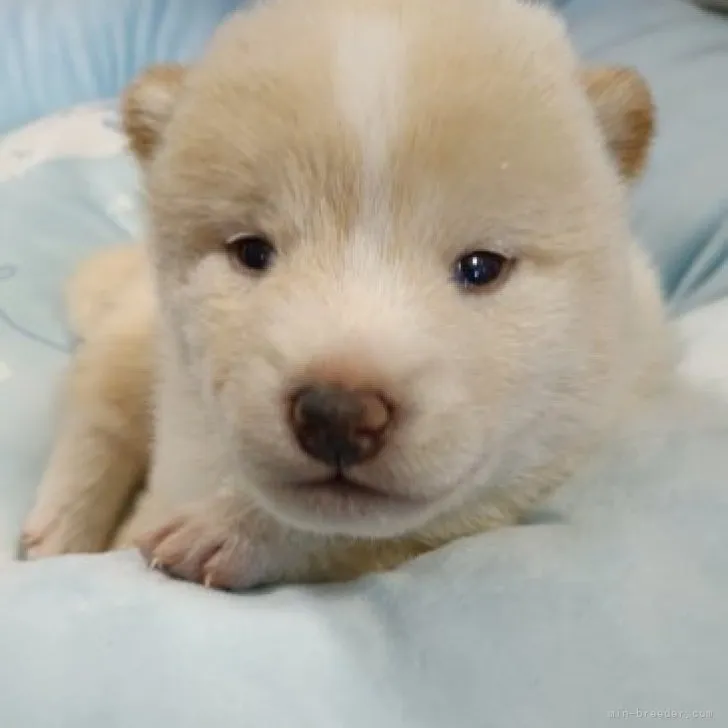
x=611 y=606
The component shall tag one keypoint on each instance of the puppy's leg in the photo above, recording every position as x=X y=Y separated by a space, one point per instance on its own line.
x=102 y=449
x=101 y=283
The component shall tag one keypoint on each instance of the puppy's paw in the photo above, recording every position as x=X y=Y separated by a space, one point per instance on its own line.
x=56 y=531
x=206 y=545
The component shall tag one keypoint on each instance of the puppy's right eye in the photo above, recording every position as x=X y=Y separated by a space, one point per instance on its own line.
x=480 y=269
x=254 y=252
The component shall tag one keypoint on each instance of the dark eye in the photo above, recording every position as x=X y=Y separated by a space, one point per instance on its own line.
x=480 y=268
x=254 y=252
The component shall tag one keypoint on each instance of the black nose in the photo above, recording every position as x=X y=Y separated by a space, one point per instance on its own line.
x=339 y=426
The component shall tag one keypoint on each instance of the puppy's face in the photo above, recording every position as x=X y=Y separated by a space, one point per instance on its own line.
x=391 y=248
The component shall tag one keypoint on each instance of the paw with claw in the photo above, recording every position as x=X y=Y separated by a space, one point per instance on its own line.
x=218 y=543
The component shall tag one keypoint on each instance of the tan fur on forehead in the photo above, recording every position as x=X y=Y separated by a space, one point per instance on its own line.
x=480 y=99
x=290 y=70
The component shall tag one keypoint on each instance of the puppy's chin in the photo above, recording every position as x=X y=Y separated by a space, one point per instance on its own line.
x=356 y=504
x=338 y=505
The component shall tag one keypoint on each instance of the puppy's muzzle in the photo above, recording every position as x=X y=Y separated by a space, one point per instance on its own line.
x=338 y=426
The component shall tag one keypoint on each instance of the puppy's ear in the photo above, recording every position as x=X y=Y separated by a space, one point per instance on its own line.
x=623 y=104
x=147 y=106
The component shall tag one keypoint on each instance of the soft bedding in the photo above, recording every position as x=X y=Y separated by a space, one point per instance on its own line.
x=55 y=53
x=609 y=606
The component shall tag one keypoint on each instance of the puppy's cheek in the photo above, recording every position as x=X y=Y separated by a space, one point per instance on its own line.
x=213 y=354
x=217 y=329
x=248 y=400
x=471 y=416
x=445 y=439
x=227 y=367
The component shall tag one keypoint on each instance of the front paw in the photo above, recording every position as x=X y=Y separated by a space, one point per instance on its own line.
x=203 y=544
x=56 y=531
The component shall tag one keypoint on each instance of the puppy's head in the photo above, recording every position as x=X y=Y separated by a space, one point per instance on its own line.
x=391 y=248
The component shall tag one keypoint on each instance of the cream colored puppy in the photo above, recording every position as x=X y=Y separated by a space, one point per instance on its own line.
x=394 y=298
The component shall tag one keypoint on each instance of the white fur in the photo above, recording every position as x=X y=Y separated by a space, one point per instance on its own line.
x=369 y=65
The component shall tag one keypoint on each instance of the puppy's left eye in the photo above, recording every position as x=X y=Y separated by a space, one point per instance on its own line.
x=480 y=268
x=254 y=252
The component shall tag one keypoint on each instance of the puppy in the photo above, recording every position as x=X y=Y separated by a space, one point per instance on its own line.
x=390 y=296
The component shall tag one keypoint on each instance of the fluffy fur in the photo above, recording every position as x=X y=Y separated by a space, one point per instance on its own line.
x=374 y=142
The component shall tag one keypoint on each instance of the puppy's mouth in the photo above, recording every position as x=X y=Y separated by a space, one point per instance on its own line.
x=339 y=485
x=339 y=491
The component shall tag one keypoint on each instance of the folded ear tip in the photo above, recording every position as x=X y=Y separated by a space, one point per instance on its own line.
x=147 y=105
x=625 y=110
